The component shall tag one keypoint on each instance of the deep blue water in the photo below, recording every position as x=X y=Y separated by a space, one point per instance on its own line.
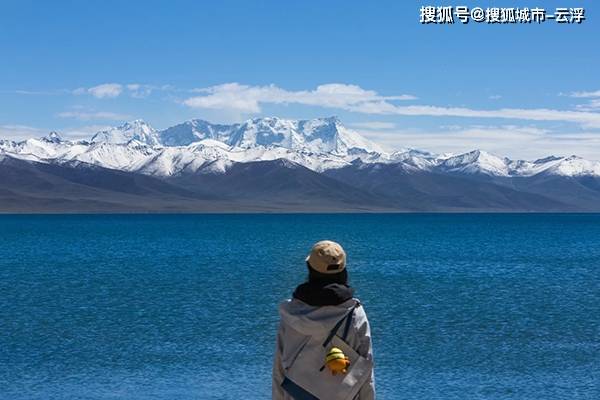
x=185 y=306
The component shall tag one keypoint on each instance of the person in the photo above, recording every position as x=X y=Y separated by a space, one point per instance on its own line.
x=314 y=310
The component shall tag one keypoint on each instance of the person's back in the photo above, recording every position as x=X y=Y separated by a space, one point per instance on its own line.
x=321 y=308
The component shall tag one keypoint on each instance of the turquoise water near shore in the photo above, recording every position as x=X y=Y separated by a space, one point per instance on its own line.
x=474 y=306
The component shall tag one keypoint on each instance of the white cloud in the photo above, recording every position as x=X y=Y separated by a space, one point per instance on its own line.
x=495 y=97
x=105 y=90
x=585 y=119
x=373 y=125
x=248 y=99
x=36 y=92
x=594 y=104
x=20 y=132
x=585 y=94
x=140 y=91
x=94 y=115
x=112 y=90
x=591 y=105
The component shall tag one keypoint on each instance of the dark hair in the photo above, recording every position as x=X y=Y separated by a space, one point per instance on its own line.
x=316 y=276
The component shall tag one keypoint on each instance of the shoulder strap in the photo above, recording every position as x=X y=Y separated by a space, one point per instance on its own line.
x=348 y=323
x=348 y=319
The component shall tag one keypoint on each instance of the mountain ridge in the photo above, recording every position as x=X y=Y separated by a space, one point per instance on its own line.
x=273 y=164
x=319 y=144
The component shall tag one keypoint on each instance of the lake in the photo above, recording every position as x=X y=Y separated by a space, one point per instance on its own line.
x=462 y=306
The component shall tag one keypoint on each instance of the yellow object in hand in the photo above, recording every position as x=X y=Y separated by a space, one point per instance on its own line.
x=336 y=361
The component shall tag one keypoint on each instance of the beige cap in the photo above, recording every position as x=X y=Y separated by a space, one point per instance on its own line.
x=327 y=257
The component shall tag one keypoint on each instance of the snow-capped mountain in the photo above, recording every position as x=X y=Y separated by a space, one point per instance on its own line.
x=560 y=166
x=483 y=163
x=48 y=148
x=196 y=130
x=321 y=144
x=53 y=137
x=321 y=135
x=277 y=164
x=476 y=162
x=136 y=130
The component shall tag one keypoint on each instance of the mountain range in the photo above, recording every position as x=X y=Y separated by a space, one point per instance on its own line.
x=274 y=164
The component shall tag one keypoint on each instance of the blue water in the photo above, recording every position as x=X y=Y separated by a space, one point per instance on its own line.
x=185 y=306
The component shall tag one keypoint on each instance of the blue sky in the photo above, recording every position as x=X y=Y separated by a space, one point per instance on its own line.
x=513 y=89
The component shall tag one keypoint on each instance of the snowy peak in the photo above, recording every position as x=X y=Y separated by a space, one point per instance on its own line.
x=137 y=130
x=267 y=132
x=320 y=135
x=195 y=130
x=574 y=166
x=477 y=162
x=416 y=159
x=53 y=137
x=546 y=160
x=481 y=162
